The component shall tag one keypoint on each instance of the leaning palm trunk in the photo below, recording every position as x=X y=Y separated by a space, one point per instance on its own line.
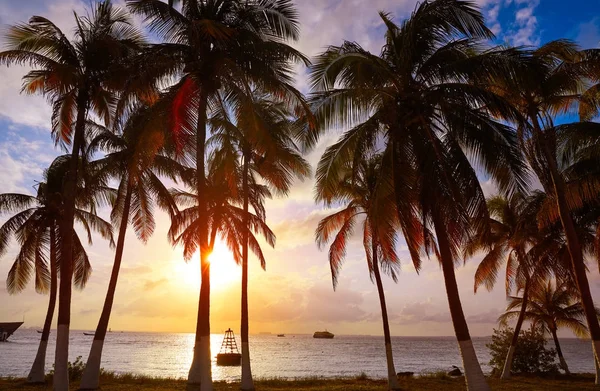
x=38 y=370
x=513 y=344
x=200 y=375
x=473 y=374
x=90 y=379
x=573 y=243
x=561 y=358
x=597 y=380
x=61 y=358
x=392 y=376
x=247 y=383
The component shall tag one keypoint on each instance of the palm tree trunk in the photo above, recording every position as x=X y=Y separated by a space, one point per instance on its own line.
x=61 y=358
x=247 y=383
x=513 y=344
x=473 y=374
x=573 y=243
x=38 y=370
x=90 y=379
x=200 y=375
x=561 y=358
x=597 y=380
x=392 y=376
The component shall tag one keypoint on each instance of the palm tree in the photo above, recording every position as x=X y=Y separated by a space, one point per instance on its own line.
x=363 y=194
x=551 y=307
x=513 y=233
x=35 y=224
x=76 y=76
x=252 y=129
x=553 y=81
x=423 y=99
x=135 y=160
x=212 y=44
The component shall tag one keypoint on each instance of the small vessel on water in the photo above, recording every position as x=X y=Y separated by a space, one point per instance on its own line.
x=281 y=335
x=323 y=334
x=229 y=355
x=89 y=334
x=39 y=331
x=7 y=329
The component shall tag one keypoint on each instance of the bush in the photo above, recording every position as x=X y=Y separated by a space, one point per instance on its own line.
x=531 y=355
x=75 y=369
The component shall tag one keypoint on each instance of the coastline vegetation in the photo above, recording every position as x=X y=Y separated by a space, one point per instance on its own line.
x=429 y=382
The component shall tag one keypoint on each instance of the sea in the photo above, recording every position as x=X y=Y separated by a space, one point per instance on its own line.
x=292 y=356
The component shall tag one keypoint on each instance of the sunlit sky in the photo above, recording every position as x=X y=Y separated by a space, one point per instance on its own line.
x=158 y=291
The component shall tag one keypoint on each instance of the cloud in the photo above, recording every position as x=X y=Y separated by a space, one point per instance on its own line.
x=151 y=284
x=589 y=34
x=526 y=23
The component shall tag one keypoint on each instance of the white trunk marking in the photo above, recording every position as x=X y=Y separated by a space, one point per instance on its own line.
x=473 y=374
x=205 y=365
x=61 y=372
x=247 y=383
x=392 y=376
x=508 y=363
x=91 y=375
x=38 y=369
x=194 y=377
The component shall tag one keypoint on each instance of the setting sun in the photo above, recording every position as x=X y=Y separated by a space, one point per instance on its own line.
x=223 y=269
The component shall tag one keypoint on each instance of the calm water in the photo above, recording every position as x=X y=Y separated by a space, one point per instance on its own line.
x=170 y=355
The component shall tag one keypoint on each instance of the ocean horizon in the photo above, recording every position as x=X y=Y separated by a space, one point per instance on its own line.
x=169 y=355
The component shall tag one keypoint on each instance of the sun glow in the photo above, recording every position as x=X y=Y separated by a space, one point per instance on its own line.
x=223 y=269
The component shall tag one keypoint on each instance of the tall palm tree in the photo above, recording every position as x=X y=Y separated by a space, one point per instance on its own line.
x=423 y=98
x=136 y=159
x=512 y=234
x=35 y=224
x=211 y=44
x=551 y=82
x=76 y=76
x=363 y=194
x=551 y=307
x=255 y=131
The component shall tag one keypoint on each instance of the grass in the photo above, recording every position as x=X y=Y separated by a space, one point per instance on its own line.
x=433 y=382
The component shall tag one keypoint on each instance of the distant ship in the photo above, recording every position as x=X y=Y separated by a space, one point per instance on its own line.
x=323 y=334
x=7 y=329
x=89 y=334
x=281 y=335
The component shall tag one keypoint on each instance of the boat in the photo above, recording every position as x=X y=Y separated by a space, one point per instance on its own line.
x=7 y=329
x=229 y=355
x=39 y=331
x=281 y=335
x=89 y=334
x=323 y=334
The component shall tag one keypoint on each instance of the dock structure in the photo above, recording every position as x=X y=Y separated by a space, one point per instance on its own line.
x=7 y=329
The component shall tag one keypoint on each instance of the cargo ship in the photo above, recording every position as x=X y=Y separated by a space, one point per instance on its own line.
x=323 y=334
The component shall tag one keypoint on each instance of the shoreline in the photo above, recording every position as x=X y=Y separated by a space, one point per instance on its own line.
x=438 y=381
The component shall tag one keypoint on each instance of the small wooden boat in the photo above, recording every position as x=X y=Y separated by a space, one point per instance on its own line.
x=7 y=329
x=39 y=331
x=323 y=334
x=89 y=334
x=281 y=335
x=229 y=355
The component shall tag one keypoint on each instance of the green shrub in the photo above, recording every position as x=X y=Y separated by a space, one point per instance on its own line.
x=531 y=355
x=75 y=369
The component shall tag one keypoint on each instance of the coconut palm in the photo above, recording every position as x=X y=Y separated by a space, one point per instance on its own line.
x=76 y=76
x=253 y=130
x=551 y=307
x=211 y=44
x=35 y=224
x=363 y=195
x=135 y=160
x=418 y=98
x=513 y=233
x=552 y=82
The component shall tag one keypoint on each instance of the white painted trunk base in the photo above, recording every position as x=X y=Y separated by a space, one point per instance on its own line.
x=200 y=375
x=564 y=365
x=90 y=380
x=508 y=363
x=247 y=383
x=392 y=376
x=473 y=373
x=38 y=369
x=596 y=351
x=61 y=371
